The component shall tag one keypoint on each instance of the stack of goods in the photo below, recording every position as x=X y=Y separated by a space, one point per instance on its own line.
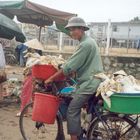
x=119 y=82
x=14 y=87
x=38 y=69
x=11 y=87
x=36 y=59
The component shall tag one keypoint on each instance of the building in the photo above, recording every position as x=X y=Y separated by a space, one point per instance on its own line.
x=123 y=34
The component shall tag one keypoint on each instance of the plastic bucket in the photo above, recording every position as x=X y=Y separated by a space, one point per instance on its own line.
x=45 y=108
x=45 y=71
x=124 y=103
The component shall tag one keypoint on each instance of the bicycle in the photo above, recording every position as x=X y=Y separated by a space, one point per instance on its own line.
x=101 y=124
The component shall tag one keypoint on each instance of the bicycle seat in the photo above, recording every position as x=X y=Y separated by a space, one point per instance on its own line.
x=67 y=90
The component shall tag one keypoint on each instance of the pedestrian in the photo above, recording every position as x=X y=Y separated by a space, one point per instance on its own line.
x=85 y=62
x=2 y=70
x=2 y=57
x=20 y=54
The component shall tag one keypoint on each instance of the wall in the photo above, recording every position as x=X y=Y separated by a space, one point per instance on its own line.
x=130 y=65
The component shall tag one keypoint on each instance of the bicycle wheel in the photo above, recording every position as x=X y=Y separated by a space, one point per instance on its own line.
x=31 y=130
x=113 y=127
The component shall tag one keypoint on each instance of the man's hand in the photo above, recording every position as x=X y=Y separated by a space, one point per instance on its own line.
x=52 y=78
x=48 y=81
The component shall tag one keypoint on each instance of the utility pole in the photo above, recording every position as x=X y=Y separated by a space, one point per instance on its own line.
x=108 y=37
x=60 y=41
x=128 y=36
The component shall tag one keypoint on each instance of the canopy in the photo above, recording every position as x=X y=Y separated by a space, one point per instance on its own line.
x=9 y=29
x=29 y=12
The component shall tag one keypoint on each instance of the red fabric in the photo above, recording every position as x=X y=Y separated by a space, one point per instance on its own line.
x=27 y=90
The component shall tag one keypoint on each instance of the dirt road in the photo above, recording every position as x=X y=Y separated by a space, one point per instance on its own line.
x=9 y=125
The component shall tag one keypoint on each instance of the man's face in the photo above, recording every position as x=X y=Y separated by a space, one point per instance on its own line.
x=76 y=33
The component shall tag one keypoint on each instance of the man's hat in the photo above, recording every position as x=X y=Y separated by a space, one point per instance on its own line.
x=34 y=44
x=77 y=22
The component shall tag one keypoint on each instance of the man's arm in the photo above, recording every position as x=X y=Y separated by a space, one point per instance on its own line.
x=57 y=74
x=73 y=64
x=77 y=60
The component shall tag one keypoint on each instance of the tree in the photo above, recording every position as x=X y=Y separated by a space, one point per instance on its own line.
x=136 y=19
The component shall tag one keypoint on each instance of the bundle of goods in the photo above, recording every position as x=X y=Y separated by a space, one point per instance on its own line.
x=36 y=59
x=119 y=83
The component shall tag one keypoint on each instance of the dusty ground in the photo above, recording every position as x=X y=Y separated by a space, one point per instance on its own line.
x=9 y=123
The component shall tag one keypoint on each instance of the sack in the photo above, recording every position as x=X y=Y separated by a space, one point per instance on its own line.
x=3 y=76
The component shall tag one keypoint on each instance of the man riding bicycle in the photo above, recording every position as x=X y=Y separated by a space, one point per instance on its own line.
x=85 y=62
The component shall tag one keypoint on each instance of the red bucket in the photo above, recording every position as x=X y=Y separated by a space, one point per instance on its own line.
x=45 y=71
x=45 y=108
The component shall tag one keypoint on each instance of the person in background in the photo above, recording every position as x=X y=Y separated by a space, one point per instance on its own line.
x=2 y=57
x=20 y=54
x=85 y=62
x=2 y=69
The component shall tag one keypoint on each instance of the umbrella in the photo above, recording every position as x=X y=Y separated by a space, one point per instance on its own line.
x=9 y=29
x=29 y=12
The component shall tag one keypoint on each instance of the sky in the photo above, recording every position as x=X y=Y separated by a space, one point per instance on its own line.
x=97 y=10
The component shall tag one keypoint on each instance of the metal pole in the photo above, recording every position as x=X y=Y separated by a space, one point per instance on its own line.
x=128 y=36
x=111 y=38
x=60 y=41
x=39 y=33
x=108 y=36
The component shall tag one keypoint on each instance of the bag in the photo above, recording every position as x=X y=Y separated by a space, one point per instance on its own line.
x=3 y=76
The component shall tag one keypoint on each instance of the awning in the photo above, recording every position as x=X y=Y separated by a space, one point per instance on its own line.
x=29 y=12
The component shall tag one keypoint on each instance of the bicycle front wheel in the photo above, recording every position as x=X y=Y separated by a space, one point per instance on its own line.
x=31 y=130
x=113 y=127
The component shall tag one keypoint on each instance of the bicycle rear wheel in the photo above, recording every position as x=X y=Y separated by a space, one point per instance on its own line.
x=113 y=127
x=31 y=130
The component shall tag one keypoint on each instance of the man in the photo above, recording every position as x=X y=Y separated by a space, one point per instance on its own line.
x=2 y=70
x=20 y=55
x=85 y=62
x=2 y=57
